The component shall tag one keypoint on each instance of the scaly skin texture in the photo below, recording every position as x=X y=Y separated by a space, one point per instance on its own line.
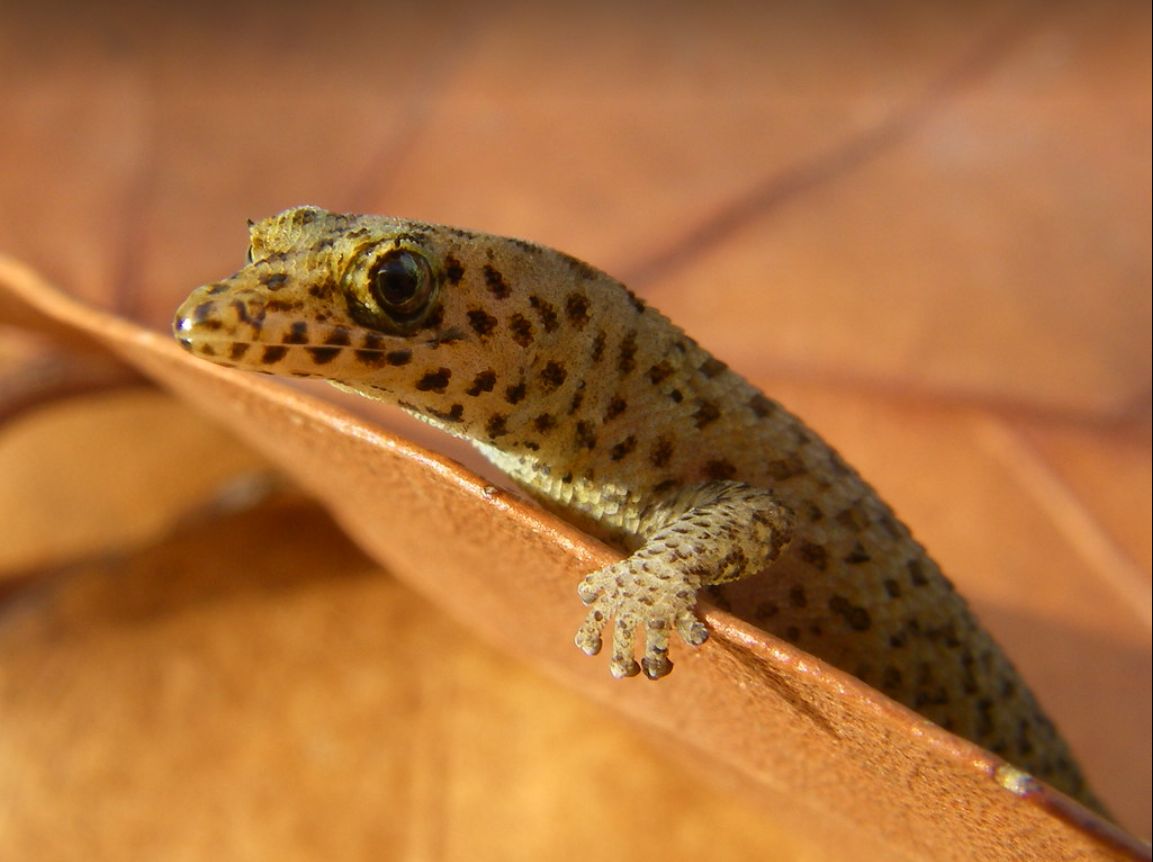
x=613 y=417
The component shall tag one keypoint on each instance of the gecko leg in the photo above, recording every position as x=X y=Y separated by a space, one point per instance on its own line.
x=703 y=535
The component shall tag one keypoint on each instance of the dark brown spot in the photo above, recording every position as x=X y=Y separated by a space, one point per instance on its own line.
x=544 y=423
x=813 y=554
x=659 y=372
x=297 y=334
x=720 y=469
x=525 y=245
x=579 y=266
x=323 y=355
x=676 y=396
x=515 y=394
x=857 y=556
x=852 y=519
x=892 y=588
x=497 y=286
x=496 y=426
x=398 y=357
x=483 y=382
x=712 y=367
x=282 y=305
x=586 y=437
x=241 y=313
x=616 y=407
x=434 y=381
x=598 y=350
x=453 y=271
x=371 y=358
x=857 y=617
x=552 y=375
x=638 y=304
x=338 y=336
x=762 y=406
x=624 y=448
x=891 y=679
x=237 y=350
x=576 y=309
x=577 y=399
x=706 y=414
x=546 y=312
x=797 y=597
x=627 y=357
x=662 y=453
x=274 y=280
x=273 y=353
x=890 y=525
x=453 y=414
x=916 y=573
x=521 y=330
x=781 y=469
x=481 y=321
x=664 y=487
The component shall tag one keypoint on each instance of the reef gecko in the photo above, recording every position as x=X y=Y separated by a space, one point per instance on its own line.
x=610 y=415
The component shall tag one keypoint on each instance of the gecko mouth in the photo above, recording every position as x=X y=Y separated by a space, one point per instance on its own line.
x=262 y=334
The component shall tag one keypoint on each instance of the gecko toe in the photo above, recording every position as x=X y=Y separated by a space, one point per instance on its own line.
x=655 y=668
x=624 y=668
x=588 y=636
x=692 y=630
x=588 y=590
x=656 y=661
x=622 y=663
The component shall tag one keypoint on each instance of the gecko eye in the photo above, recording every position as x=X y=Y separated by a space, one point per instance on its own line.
x=402 y=283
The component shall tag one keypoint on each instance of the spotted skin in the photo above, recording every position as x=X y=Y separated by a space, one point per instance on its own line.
x=613 y=417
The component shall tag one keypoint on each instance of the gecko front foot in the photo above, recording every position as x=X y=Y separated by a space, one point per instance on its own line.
x=639 y=593
x=701 y=535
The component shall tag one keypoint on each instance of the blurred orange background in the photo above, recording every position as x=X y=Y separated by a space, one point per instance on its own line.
x=925 y=227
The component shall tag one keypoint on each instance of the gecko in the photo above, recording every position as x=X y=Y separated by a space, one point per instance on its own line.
x=611 y=416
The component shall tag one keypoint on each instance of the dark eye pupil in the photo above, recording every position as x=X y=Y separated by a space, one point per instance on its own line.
x=397 y=279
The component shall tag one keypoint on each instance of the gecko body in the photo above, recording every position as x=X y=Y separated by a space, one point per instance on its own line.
x=610 y=415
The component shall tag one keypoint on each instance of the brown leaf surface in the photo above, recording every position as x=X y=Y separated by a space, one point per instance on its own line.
x=820 y=747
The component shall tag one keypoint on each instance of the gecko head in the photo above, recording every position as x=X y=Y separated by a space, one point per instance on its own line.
x=325 y=295
x=434 y=318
